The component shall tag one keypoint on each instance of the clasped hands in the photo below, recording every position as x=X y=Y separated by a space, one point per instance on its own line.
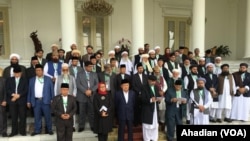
x=104 y=114
x=174 y=100
x=242 y=90
x=65 y=116
x=88 y=92
x=15 y=96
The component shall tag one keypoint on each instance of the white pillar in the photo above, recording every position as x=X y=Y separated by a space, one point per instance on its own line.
x=247 y=46
x=137 y=26
x=198 y=24
x=68 y=26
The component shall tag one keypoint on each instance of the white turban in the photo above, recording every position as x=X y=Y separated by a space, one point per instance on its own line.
x=202 y=59
x=15 y=55
x=124 y=52
x=151 y=51
x=111 y=52
x=141 y=48
x=54 y=45
x=218 y=57
x=209 y=64
x=76 y=51
x=117 y=46
x=157 y=47
x=144 y=56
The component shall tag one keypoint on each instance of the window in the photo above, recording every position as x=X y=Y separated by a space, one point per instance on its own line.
x=93 y=31
x=176 y=32
x=4 y=32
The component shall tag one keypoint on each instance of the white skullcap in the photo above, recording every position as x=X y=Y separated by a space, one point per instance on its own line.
x=124 y=52
x=111 y=52
x=157 y=47
x=151 y=51
x=117 y=46
x=176 y=70
x=218 y=57
x=15 y=55
x=209 y=64
x=54 y=45
x=202 y=58
x=141 y=48
x=75 y=51
x=144 y=56
x=65 y=65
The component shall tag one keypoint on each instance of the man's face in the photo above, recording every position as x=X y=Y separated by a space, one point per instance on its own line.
x=73 y=47
x=17 y=74
x=122 y=70
x=194 y=70
x=54 y=48
x=177 y=87
x=55 y=57
x=64 y=91
x=111 y=55
x=125 y=87
x=243 y=68
x=14 y=60
x=157 y=51
x=210 y=68
x=217 y=61
x=34 y=62
x=152 y=55
x=200 y=84
x=39 y=54
x=61 y=53
x=187 y=62
x=140 y=69
x=74 y=62
x=89 y=50
x=39 y=72
x=175 y=74
x=202 y=62
x=108 y=69
x=225 y=69
x=93 y=61
x=113 y=63
x=141 y=51
x=151 y=82
x=65 y=70
x=172 y=58
x=89 y=68
x=160 y=63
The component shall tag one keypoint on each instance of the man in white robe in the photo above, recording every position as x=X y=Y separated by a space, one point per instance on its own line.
x=150 y=99
x=201 y=100
x=226 y=90
x=241 y=100
x=126 y=61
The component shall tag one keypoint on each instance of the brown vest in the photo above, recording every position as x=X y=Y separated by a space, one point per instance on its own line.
x=221 y=83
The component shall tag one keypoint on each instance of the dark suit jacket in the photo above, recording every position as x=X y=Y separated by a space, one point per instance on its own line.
x=125 y=111
x=48 y=91
x=68 y=56
x=118 y=80
x=82 y=85
x=136 y=82
x=22 y=89
x=147 y=106
x=211 y=83
x=71 y=71
x=58 y=109
x=49 y=56
x=2 y=90
x=6 y=71
x=240 y=83
x=85 y=58
x=171 y=107
x=183 y=71
x=30 y=72
x=200 y=71
x=137 y=59
x=171 y=82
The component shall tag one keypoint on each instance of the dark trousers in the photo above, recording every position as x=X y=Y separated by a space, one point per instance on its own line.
x=64 y=129
x=138 y=110
x=121 y=129
x=3 y=120
x=18 y=111
x=102 y=137
x=39 y=110
x=171 y=121
x=86 y=109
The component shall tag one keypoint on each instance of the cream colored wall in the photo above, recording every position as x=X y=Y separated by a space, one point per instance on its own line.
x=44 y=15
x=30 y=15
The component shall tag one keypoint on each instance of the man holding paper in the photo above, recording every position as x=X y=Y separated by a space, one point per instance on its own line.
x=201 y=100
x=175 y=99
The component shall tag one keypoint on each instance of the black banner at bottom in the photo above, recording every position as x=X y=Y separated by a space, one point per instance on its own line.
x=213 y=132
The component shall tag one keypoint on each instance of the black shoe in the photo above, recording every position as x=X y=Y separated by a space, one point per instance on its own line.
x=12 y=134
x=50 y=133
x=219 y=120
x=74 y=129
x=34 y=133
x=80 y=129
x=4 y=135
x=228 y=120
x=187 y=121
x=23 y=134
x=212 y=120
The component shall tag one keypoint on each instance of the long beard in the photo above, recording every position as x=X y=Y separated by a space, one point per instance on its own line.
x=13 y=64
x=66 y=76
x=124 y=59
x=225 y=73
x=217 y=64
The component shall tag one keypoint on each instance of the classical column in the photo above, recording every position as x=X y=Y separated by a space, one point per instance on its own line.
x=68 y=23
x=247 y=46
x=198 y=23
x=137 y=26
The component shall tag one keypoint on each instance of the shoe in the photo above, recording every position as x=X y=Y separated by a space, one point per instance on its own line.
x=212 y=120
x=50 y=133
x=228 y=120
x=4 y=135
x=219 y=120
x=187 y=121
x=80 y=129
x=23 y=134
x=34 y=133
x=74 y=129
x=12 y=134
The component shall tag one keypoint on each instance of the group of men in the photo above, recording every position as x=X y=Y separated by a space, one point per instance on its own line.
x=151 y=89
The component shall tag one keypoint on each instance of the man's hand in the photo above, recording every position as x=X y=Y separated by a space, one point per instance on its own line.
x=104 y=114
x=153 y=99
x=88 y=93
x=4 y=103
x=242 y=90
x=184 y=101
x=161 y=93
x=53 y=79
x=174 y=100
x=29 y=105
x=201 y=107
x=65 y=116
